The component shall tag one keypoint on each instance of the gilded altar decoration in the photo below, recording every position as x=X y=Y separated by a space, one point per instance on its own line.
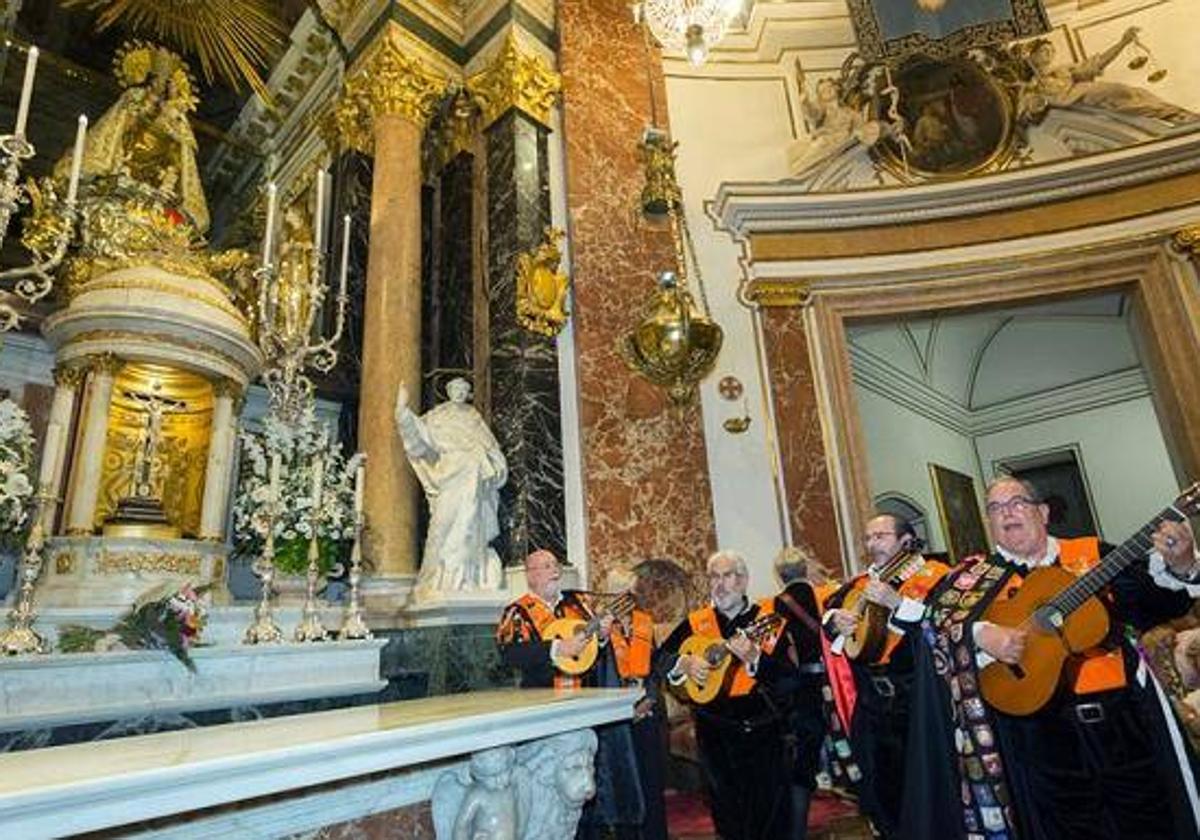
x=516 y=79
x=231 y=38
x=111 y=563
x=385 y=82
x=542 y=288
x=660 y=192
x=1187 y=241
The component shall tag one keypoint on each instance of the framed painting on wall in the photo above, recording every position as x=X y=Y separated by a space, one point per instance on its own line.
x=958 y=508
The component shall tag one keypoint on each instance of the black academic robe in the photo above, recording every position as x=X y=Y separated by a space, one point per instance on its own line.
x=1120 y=778
x=742 y=741
x=879 y=729
x=806 y=708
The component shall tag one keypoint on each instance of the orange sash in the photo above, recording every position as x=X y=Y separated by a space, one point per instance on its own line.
x=633 y=653
x=704 y=623
x=541 y=615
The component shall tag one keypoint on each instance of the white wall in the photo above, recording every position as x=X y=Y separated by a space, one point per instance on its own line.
x=900 y=447
x=1124 y=457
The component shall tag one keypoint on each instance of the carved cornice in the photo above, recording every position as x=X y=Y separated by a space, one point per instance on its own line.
x=387 y=82
x=1187 y=240
x=516 y=79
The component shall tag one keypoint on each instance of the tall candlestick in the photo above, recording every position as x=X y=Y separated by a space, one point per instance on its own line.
x=319 y=213
x=275 y=470
x=318 y=483
x=77 y=158
x=267 y=234
x=345 y=254
x=358 y=488
x=26 y=91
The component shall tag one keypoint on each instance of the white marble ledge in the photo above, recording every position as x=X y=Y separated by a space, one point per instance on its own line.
x=42 y=691
x=85 y=787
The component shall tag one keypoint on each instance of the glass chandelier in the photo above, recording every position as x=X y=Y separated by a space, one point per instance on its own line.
x=689 y=26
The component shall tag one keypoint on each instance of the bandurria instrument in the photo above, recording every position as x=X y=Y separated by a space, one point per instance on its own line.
x=568 y=628
x=869 y=639
x=1063 y=616
x=718 y=656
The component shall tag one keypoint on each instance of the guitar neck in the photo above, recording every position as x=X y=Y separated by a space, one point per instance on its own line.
x=1113 y=563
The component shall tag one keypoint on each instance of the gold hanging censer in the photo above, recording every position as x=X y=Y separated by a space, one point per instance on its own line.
x=676 y=342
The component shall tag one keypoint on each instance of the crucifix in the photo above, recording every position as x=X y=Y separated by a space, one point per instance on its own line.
x=155 y=407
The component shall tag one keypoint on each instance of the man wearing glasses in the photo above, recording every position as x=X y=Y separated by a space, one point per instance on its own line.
x=1105 y=758
x=883 y=687
x=740 y=733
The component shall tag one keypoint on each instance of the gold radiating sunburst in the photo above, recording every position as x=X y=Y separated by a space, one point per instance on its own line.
x=231 y=38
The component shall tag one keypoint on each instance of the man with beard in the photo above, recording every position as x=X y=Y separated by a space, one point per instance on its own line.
x=883 y=688
x=1105 y=758
x=618 y=808
x=741 y=732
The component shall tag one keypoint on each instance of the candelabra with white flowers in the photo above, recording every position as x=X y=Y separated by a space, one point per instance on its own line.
x=34 y=281
x=287 y=313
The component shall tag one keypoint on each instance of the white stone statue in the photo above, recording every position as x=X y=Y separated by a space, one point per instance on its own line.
x=559 y=780
x=834 y=127
x=461 y=468
x=1073 y=85
x=480 y=803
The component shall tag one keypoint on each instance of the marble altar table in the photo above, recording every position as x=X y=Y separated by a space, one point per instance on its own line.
x=302 y=772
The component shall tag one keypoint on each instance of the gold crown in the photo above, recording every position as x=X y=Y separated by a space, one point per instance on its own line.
x=137 y=60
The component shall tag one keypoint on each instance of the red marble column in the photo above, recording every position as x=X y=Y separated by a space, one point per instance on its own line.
x=809 y=497
x=645 y=468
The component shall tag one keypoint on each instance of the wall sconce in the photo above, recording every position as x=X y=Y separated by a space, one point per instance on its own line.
x=730 y=388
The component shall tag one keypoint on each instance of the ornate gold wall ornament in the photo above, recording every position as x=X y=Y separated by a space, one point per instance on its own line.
x=516 y=79
x=230 y=37
x=1187 y=241
x=661 y=191
x=64 y=564
x=119 y=562
x=385 y=82
x=68 y=376
x=542 y=288
x=779 y=292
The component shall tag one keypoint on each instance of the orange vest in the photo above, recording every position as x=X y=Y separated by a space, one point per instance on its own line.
x=633 y=653
x=1096 y=669
x=541 y=615
x=704 y=623
x=916 y=586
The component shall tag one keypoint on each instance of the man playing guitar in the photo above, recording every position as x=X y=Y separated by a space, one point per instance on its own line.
x=879 y=722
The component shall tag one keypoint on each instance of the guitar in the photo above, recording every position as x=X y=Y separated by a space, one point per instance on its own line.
x=869 y=639
x=571 y=628
x=1063 y=616
x=718 y=656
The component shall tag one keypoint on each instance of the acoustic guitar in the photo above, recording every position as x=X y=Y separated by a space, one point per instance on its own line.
x=1063 y=616
x=570 y=628
x=869 y=639
x=718 y=656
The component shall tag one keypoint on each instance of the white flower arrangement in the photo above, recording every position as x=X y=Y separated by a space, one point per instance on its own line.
x=16 y=462
x=298 y=445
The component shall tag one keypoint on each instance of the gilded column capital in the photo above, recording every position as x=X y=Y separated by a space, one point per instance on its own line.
x=386 y=82
x=516 y=79
x=224 y=387
x=1187 y=240
x=106 y=363
x=68 y=375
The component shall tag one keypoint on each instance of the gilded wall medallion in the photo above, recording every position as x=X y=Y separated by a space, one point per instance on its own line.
x=542 y=288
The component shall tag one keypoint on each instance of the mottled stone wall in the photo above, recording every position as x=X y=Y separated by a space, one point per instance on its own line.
x=809 y=498
x=522 y=366
x=645 y=469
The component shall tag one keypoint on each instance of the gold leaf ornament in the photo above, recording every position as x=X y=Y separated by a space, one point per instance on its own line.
x=230 y=38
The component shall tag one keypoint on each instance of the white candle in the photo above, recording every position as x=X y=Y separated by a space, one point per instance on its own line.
x=319 y=213
x=276 y=466
x=77 y=158
x=345 y=254
x=266 y=252
x=49 y=455
x=318 y=481
x=26 y=91
x=358 y=488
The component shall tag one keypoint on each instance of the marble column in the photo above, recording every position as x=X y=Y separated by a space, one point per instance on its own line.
x=517 y=93
x=387 y=100
x=221 y=442
x=54 y=453
x=86 y=468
